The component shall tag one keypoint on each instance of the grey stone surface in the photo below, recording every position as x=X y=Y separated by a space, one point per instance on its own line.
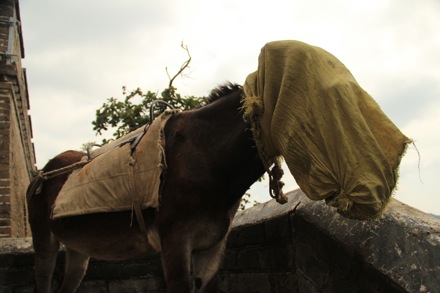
x=404 y=245
x=326 y=252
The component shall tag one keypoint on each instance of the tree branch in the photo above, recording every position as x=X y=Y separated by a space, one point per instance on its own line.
x=182 y=68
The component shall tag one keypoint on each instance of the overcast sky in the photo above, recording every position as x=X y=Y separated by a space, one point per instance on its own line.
x=79 y=53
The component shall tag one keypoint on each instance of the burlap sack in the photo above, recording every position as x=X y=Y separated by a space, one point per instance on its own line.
x=337 y=142
x=117 y=179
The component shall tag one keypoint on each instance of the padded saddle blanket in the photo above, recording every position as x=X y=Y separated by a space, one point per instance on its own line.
x=338 y=144
x=119 y=177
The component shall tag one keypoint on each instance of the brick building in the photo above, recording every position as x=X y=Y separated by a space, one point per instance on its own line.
x=17 y=157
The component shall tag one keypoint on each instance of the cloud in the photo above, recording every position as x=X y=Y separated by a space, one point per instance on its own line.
x=409 y=101
x=80 y=53
x=61 y=24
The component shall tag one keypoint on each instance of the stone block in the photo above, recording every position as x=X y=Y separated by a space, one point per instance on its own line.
x=5 y=210
x=4 y=125
x=5 y=198
x=277 y=257
x=136 y=286
x=4 y=166
x=277 y=230
x=5 y=222
x=10 y=277
x=22 y=289
x=4 y=181
x=244 y=283
x=283 y=282
x=102 y=270
x=16 y=260
x=93 y=287
x=248 y=259
x=133 y=270
x=309 y=263
x=246 y=236
x=229 y=261
x=305 y=285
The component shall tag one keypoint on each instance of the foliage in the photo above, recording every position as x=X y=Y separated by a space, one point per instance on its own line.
x=128 y=115
x=246 y=202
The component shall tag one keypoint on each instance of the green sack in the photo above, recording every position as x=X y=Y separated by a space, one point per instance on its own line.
x=335 y=139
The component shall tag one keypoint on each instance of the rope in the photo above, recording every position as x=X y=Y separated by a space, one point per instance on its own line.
x=40 y=177
x=54 y=173
x=276 y=173
x=275 y=183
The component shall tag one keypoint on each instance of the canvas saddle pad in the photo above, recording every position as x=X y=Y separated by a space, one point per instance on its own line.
x=338 y=144
x=117 y=178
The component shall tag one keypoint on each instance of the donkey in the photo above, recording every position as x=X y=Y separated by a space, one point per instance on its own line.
x=211 y=161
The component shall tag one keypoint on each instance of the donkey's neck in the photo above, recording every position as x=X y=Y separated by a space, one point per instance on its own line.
x=212 y=148
x=234 y=156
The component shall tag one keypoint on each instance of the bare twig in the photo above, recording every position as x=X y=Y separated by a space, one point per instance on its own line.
x=182 y=68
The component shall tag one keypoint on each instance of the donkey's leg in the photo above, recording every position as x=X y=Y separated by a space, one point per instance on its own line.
x=75 y=269
x=205 y=265
x=46 y=250
x=176 y=260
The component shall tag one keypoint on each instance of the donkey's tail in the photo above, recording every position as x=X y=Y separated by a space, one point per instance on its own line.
x=34 y=186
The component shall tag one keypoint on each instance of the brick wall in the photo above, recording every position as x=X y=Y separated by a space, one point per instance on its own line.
x=7 y=9
x=5 y=188
x=281 y=248
x=19 y=177
x=17 y=159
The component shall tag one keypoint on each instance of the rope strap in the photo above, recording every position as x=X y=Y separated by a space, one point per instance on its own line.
x=275 y=183
x=276 y=173
x=54 y=173
x=40 y=177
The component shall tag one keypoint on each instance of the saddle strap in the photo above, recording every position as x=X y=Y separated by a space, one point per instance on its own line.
x=137 y=203
x=140 y=218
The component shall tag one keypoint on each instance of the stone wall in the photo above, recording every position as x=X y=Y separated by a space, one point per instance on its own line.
x=140 y=275
x=305 y=246
x=17 y=159
x=302 y=246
